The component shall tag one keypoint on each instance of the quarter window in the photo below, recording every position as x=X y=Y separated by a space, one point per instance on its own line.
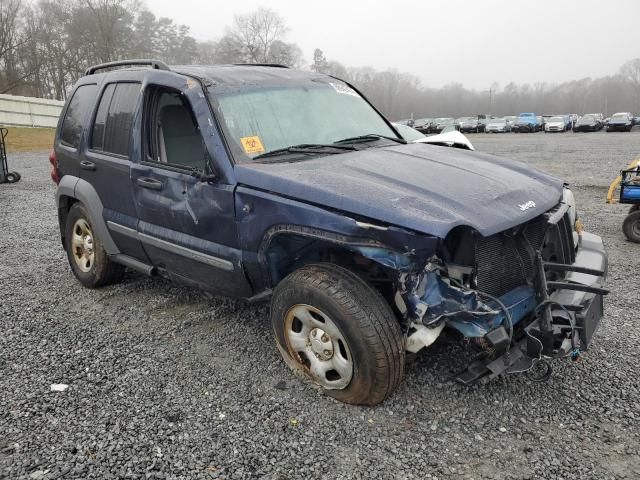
x=77 y=113
x=114 y=119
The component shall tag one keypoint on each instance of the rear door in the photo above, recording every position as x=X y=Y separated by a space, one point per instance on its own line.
x=76 y=117
x=106 y=164
x=186 y=211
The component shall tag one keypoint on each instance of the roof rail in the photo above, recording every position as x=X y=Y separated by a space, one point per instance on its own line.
x=277 y=65
x=155 y=64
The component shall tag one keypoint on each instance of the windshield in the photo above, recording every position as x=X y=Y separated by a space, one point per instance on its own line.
x=556 y=119
x=619 y=116
x=497 y=120
x=271 y=118
x=587 y=118
x=444 y=121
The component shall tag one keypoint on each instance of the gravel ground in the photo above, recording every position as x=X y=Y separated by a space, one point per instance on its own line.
x=167 y=383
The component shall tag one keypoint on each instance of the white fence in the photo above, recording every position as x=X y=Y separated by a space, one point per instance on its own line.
x=29 y=111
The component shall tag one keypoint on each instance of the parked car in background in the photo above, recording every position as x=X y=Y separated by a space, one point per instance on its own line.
x=410 y=134
x=406 y=121
x=498 y=125
x=541 y=121
x=527 y=122
x=557 y=124
x=483 y=120
x=511 y=119
x=588 y=123
x=620 y=122
x=598 y=116
x=469 y=125
x=441 y=123
x=636 y=120
x=423 y=125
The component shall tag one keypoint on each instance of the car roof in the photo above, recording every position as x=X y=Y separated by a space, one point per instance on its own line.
x=236 y=75
x=220 y=76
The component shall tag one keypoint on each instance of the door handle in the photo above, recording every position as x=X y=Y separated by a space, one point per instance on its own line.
x=86 y=165
x=150 y=183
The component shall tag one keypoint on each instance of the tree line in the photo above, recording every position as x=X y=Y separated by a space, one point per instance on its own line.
x=46 y=45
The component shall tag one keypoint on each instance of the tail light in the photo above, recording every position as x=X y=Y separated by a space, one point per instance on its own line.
x=54 y=167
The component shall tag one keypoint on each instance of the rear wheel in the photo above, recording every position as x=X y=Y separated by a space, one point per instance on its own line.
x=631 y=226
x=87 y=257
x=339 y=332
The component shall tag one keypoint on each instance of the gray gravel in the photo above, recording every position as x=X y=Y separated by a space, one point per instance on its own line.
x=166 y=383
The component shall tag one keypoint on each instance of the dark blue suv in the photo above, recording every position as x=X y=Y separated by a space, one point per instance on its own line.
x=265 y=183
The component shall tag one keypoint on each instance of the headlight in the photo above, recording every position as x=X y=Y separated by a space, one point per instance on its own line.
x=570 y=199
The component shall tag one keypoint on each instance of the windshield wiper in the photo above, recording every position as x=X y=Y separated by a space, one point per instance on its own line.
x=369 y=137
x=307 y=148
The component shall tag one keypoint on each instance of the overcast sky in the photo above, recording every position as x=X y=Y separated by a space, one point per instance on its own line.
x=471 y=42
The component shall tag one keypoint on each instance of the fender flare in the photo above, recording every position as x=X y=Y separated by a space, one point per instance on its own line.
x=83 y=191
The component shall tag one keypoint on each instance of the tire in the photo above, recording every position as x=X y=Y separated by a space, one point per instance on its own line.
x=633 y=208
x=362 y=333
x=631 y=226
x=11 y=177
x=86 y=255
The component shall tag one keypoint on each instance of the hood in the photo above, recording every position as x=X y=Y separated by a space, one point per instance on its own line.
x=425 y=188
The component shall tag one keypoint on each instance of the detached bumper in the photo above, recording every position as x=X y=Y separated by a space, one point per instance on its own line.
x=587 y=305
x=573 y=312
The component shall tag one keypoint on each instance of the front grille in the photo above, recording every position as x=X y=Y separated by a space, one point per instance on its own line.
x=506 y=260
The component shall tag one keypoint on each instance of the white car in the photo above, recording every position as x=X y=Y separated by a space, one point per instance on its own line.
x=498 y=125
x=449 y=137
x=555 y=124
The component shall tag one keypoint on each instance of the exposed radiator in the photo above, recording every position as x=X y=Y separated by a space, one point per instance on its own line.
x=506 y=260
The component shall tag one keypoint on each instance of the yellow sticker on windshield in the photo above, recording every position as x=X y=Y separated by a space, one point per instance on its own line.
x=252 y=145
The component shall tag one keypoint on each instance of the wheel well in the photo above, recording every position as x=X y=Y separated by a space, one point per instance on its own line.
x=288 y=252
x=65 y=203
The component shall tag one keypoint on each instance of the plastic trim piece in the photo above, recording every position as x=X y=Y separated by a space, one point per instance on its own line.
x=216 y=262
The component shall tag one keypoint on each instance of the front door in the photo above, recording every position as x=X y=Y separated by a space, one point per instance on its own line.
x=186 y=214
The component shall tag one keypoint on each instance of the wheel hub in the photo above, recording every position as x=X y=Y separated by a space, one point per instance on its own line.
x=87 y=244
x=316 y=343
x=82 y=245
x=321 y=344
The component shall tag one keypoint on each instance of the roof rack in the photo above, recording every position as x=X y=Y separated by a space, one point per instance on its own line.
x=277 y=65
x=155 y=64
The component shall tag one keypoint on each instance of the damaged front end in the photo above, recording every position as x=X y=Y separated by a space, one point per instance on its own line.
x=519 y=297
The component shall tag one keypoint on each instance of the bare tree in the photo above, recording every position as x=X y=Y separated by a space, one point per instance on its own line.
x=631 y=71
x=258 y=37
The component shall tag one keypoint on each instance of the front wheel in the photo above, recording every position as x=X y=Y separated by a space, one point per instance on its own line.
x=339 y=332
x=631 y=226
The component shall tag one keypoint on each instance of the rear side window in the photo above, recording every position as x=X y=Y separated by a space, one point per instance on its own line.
x=77 y=114
x=114 y=119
